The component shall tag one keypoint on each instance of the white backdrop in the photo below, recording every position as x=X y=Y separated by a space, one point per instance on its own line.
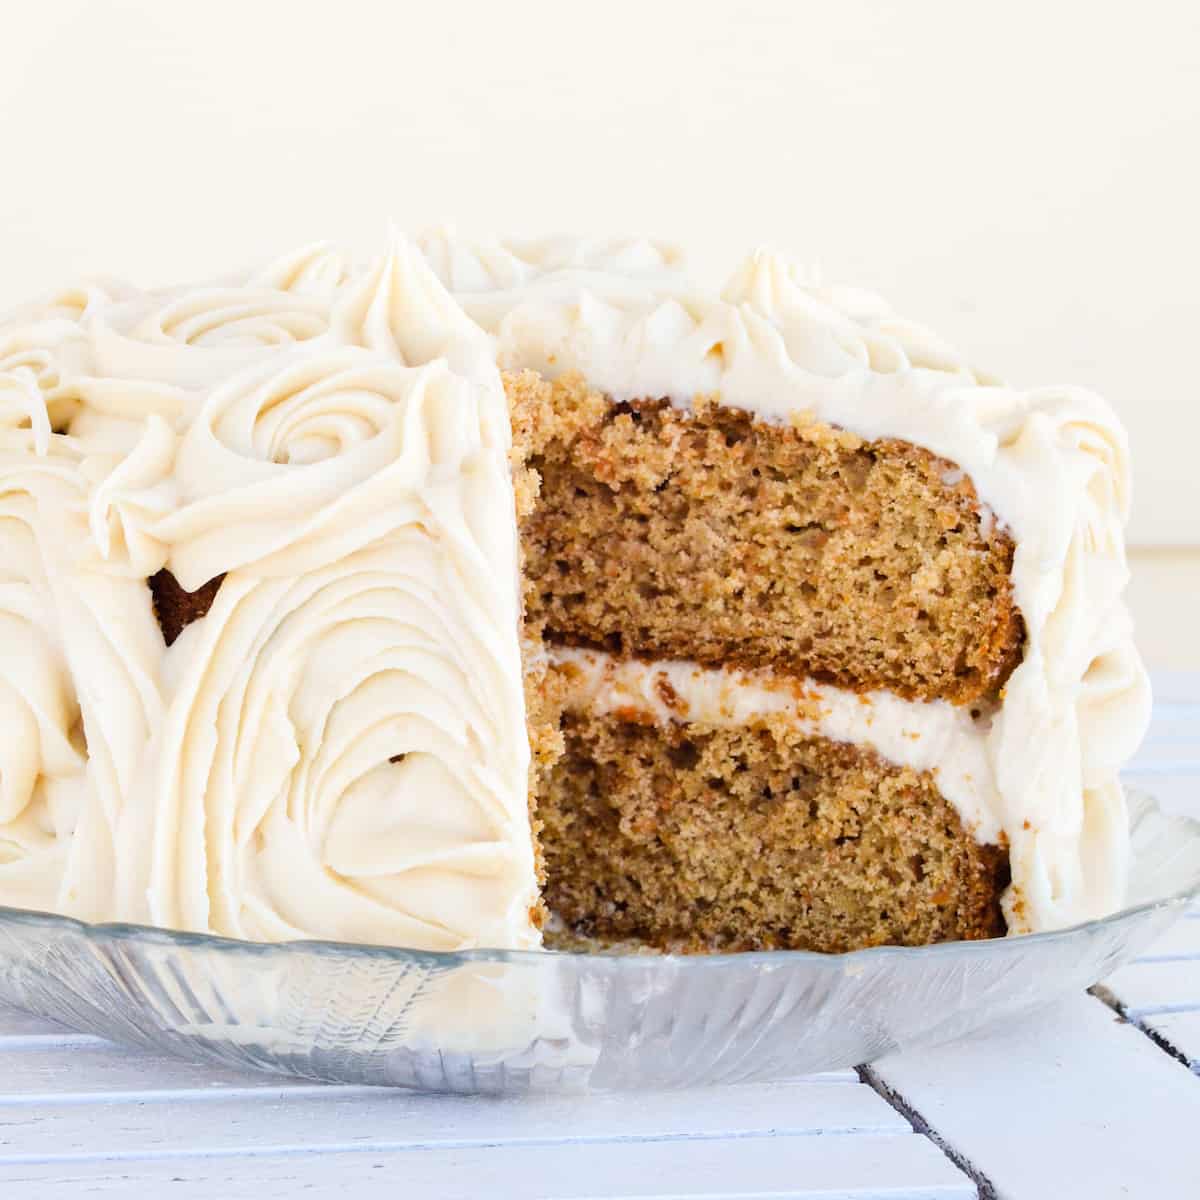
x=1023 y=176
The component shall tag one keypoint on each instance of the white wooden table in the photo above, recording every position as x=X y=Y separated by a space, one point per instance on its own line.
x=1097 y=1098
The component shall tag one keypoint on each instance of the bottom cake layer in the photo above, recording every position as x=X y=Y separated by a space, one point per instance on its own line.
x=699 y=836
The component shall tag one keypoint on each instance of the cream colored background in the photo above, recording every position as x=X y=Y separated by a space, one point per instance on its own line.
x=1024 y=176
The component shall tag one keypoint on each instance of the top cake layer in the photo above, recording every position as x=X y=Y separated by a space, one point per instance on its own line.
x=803 y=550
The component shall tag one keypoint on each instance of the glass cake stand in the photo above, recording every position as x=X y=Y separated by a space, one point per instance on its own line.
x=495 y=1021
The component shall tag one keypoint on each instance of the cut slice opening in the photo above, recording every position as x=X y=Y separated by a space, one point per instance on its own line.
x=657 y=533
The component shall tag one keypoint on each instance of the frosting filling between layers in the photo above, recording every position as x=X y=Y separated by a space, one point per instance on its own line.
x=932 y=735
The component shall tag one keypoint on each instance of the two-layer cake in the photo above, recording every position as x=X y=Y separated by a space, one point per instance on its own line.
x=502 y=581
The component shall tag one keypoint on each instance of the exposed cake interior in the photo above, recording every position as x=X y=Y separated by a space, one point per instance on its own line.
x=756 y=837
x=803 y=552
x=823 y=565
x=807 y=550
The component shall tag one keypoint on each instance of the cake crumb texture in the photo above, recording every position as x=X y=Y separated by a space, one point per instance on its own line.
x=175 y=608
x=697 y=838
x=803 y=549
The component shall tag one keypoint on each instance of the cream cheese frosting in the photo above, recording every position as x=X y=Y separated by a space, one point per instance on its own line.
x=338 y=749
x=1050 y=463
x=935 y=736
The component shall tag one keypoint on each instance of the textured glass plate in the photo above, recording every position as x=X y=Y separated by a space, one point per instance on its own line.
x=496 y=1021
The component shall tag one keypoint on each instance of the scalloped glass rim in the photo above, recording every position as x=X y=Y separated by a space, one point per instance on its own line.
x=505 y=1020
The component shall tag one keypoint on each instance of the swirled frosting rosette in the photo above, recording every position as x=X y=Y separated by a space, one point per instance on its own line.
x=79 y=688
x=338 y=748
x=318 y=269
x=344 y=754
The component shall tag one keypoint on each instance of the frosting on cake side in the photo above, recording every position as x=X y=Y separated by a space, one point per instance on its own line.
x=337 y=448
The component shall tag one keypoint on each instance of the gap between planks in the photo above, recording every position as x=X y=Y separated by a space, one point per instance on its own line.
x=1141 y=1022
x=985 y=1189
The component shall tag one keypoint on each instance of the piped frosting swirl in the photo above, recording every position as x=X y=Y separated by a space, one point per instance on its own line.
x=338 y=749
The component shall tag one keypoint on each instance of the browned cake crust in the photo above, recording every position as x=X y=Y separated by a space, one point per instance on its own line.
x=805 y=550
x=177 y=609
x=543 y=701
x=757 y=837
x=542 y=722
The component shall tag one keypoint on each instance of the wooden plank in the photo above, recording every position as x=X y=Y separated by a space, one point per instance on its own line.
x=1169 y=985
x=1074 y=1101
x=847 y=1167
x=395 y=1120
x=1138 y=993
x=103 y=1071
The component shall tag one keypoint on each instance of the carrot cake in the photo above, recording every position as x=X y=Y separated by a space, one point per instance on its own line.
x=517 y=593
